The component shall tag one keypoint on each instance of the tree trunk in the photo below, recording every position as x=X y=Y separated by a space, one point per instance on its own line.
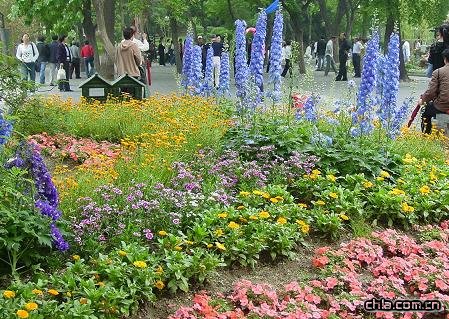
x=105 y=20
x=175 y=35
x=299 y=37
x=325 y=16
x=231 y=11
x=403 y=76
x=341 y=9
x=3 y=39
x=89 y=30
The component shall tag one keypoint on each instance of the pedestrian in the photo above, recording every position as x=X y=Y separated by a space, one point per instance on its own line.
x=406 y=51
x=321 y=52
x=75 y=65
x=435 y=59
x=436 y=98
x=308 y=53
x=141 y=40
x=27 y=54
x=52 y=60
x=171 y=53
x=128 y=54
x=87 y=53
x=44 y=55
x=204 y=48
x=63 y=59
x=287 y=57
x=343 y=57
x=161 y=52
x=181 y=48
x=329 y=55
x=356 y=57
x=217 y=47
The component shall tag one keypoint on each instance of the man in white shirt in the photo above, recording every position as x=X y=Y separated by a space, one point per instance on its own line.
x=406 y=51
x=287 y=56
x=330 y=56
x=356 y=56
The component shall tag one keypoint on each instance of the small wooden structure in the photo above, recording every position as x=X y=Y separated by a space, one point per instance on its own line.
x=129 y=85
x=96 y=88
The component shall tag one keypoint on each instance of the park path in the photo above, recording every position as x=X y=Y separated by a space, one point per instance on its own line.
x=164 y=82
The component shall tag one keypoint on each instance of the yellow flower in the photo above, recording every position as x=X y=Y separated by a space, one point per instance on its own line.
x=282 y=221
x=30 y=306
x=401 y=181
x=367 y=184
x=122 y=253
x=219 y=232
x=408 y=159
x=69 y=294
x=100 y=284
x=83 y=301
x=188 y=242
x=302 y=205
x=320 y=202
x=344 y=217
x=22 y=313
x=331 y=178
x=279 y=198
x=233 y=225
x=406 y=208
x=159 y=270
x=8 y=294
x=252 y=217
x=316 y=172
x=178 y=248
x=244 y=194
x=241 y=207
x=380 y=179
x=256 y=192
x=162 y=233
x=264 y=214
x=220 y=246
x=385 y=174
x=274 y=200
x=266 y=195
x=159 y=284
x=210 y=245
x=37 y=292
x=76 y=257
x=222 y=215
x=140 y=264
x=424 y=190
x=333 y=195
x=304 y=227
x=396 y=191
x=53 y=292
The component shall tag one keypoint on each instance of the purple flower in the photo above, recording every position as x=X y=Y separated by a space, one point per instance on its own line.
x=241 y=64
x=58 y=239
x=276 y=57
x=48 y=210
x=176 y=221
x=148 y=234
x=187 y=63
x=223 y=88
x=208 y=84
x=5 y=130
x=258 y=53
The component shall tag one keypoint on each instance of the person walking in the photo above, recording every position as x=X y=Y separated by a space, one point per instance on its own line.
x=28 y=54
x=128 y=55
x=141 y=40
x=435 y=55
x=63 y=59
x=161 y=52
x=406 y=51
x=52 y=60
x=44 y=55
x=343 y=57
x=436 y=98
x=356 y=57
x=329 y=55
x=321 y=52
x=217 y=47
x=87 y=53
x=75 y=65
x=287 y=57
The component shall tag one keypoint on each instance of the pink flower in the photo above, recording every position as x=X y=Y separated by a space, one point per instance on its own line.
x=331 y=282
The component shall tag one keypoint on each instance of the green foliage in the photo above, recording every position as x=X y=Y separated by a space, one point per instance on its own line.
x=13 y=90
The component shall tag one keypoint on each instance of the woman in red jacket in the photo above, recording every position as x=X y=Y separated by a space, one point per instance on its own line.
x=87 y=53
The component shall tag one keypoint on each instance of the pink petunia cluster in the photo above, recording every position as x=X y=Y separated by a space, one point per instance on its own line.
x=390 y=265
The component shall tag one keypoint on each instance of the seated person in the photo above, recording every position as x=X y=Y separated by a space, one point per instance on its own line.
x=436 y=98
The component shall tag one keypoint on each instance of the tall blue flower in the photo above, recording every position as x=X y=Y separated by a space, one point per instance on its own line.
x=58 y=239
x=276 y=57
x=366 y=98
x=196 y=70
x=390 y=82
x=309 y=110
x=398 y=118
x=223 y=88
x=258 y=54
x=186 y=80
x=241 y=63
x=208 y=84
x=5 y=130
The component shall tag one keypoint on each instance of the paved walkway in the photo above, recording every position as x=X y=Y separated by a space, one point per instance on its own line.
x=164 y=82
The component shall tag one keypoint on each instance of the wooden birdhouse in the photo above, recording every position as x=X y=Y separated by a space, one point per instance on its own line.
x=128 y=84
x=96 y=88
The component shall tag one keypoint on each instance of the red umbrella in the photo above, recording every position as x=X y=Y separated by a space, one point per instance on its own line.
x=414 y=113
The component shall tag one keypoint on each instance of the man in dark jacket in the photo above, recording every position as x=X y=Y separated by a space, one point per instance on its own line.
x=436 y=98
x=320 y=52
x=52 y=62
x=63 y=58
x=44 y=55
x=343 y=57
